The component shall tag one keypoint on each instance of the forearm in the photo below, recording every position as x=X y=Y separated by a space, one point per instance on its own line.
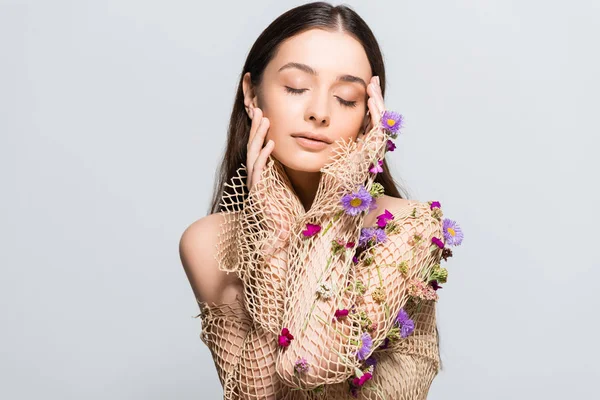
x=327 y=345
x=224 y=331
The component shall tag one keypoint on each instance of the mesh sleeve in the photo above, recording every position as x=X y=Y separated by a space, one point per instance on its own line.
x=375 y=289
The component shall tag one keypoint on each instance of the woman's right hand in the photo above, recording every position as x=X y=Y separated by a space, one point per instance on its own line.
x=267 y=182
x=256 y=154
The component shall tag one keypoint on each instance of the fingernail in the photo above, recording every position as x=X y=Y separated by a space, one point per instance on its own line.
x=378 y=82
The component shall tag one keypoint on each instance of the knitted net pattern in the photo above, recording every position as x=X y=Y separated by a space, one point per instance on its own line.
x=337 y=292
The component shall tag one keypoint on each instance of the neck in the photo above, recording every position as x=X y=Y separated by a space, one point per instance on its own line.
x=305 y=184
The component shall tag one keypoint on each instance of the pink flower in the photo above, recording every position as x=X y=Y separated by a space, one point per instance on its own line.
x=437 y=242
x=383 y=219
x=285 y=337
x=390 y=146
x=340 y=314
x=361 y=381
x=350 y=245
x=435 y=204
x=376 y=169
x=311 y=230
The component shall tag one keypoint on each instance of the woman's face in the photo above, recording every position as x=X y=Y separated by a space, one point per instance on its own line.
x=316 y=83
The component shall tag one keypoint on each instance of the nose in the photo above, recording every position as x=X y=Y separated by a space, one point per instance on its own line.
x=317 y=112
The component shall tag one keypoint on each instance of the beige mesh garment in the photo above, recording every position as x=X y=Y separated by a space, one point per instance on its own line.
x=298 y=282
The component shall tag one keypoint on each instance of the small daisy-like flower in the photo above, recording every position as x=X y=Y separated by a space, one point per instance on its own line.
x=324 y=291
x=360 y=287
x=301 y=365
x=437 y=214
x=403 y=267
x=392 y=122
x=439 y=274
x=452 y=232
x=390 y=146
x=355 y=203
x=393 y=334
x=285 y=338
x=371 y=234
x=377 y=190
x=379 y=294
x=383 y=219
x=437 y=242
x=336 y=246
x=406 y=324
x=311 y=230
x=434 y=204
x=376 y=169
x=365 y=346
x=418 y=289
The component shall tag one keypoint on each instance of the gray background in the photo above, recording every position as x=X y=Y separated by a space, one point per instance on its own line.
x=113 y=117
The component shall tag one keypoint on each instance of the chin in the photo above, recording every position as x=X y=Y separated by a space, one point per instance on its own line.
x=303 y=161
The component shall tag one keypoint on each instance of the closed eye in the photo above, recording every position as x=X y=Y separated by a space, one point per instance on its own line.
x=295 y=91
x=343 y=102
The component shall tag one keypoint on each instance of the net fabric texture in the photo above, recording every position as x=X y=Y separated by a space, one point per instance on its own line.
x=298 y=282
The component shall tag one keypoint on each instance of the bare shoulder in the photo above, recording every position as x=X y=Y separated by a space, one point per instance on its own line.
x=392 y=204
x=197 y=251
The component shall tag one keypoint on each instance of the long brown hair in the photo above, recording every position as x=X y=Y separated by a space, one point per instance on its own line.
x=320 y=15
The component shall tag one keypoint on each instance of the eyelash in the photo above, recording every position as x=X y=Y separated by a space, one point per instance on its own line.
x=343 y=102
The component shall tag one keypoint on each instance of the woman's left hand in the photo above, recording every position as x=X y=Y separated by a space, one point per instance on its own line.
x=375 y=104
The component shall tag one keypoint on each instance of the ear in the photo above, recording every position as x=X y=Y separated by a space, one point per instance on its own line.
x=250 y=98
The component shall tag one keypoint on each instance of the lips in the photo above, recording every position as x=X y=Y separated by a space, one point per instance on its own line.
x=312 y=136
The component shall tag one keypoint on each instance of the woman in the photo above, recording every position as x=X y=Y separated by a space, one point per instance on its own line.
x=311 y=281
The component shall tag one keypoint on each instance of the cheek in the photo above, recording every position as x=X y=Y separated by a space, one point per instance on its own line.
x=351 y=126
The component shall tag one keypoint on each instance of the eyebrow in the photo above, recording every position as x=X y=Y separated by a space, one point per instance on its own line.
x=310 y=70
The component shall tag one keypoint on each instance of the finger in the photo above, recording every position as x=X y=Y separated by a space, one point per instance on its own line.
x=256 y=118
x=375 y=113
x=261 y=161
x=378 y=95
x=257 y=141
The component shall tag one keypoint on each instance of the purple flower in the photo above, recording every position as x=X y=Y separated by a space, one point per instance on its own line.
x=385 y=344
x=383 y=219
x=434 y=284
x=406 y=324
x=391 y=146
x=452 y=232
x=435 y=204
x=355 y=203
x=371 y=361
x=365 y=347
x=355 y=260
x=391 y=121
x=377 y=168
x=437 y=242
x=301 y=365
x=311 y=230
x=376 y=234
